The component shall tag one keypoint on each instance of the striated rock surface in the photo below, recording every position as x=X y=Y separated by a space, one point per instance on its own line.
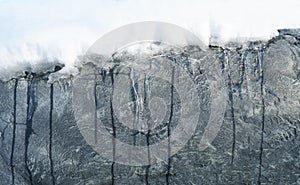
x=258 y=141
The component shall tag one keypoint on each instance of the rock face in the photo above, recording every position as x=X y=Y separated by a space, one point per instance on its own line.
x=258 y=140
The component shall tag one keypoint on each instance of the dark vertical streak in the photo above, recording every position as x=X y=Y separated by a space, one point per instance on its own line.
x=149 y=159
x=114 y=131
x=137 y=110
x=230 y=95
x=30 y=112
x=242 y=74
x=51 y=135
x=260 y=59
x=148 y=133
x=169 y=128
x=95 y=116
x=222 y=58
x=14 y=134
x=103 y=74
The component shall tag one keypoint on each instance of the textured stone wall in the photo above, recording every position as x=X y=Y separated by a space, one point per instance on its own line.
x=258 y=141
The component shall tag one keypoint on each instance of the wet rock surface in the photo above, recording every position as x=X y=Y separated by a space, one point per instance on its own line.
x=258 y=141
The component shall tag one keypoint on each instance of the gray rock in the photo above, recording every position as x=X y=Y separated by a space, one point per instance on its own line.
x=258 y=142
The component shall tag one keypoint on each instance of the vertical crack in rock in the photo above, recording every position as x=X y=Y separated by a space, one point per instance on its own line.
x=113 y=128
x=260 y=60
x=95 y=116
x=51 y=135
x=14 y=133
x=149 y=159
x=242 y=73
x=169 y=127
x=103 y=74
x=30 y=112
x=222 y=58
x=230 y=95
x=148 y=132
x=295 y=133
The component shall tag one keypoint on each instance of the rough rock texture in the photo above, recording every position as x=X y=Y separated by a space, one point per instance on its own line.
x=258 y=143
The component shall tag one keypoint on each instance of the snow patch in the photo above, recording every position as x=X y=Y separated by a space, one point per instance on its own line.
x=35 y=31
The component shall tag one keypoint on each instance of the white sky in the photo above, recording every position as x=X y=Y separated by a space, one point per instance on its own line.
x=31 y=30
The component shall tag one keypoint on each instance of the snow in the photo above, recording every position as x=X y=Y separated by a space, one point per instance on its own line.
x=34 y=31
